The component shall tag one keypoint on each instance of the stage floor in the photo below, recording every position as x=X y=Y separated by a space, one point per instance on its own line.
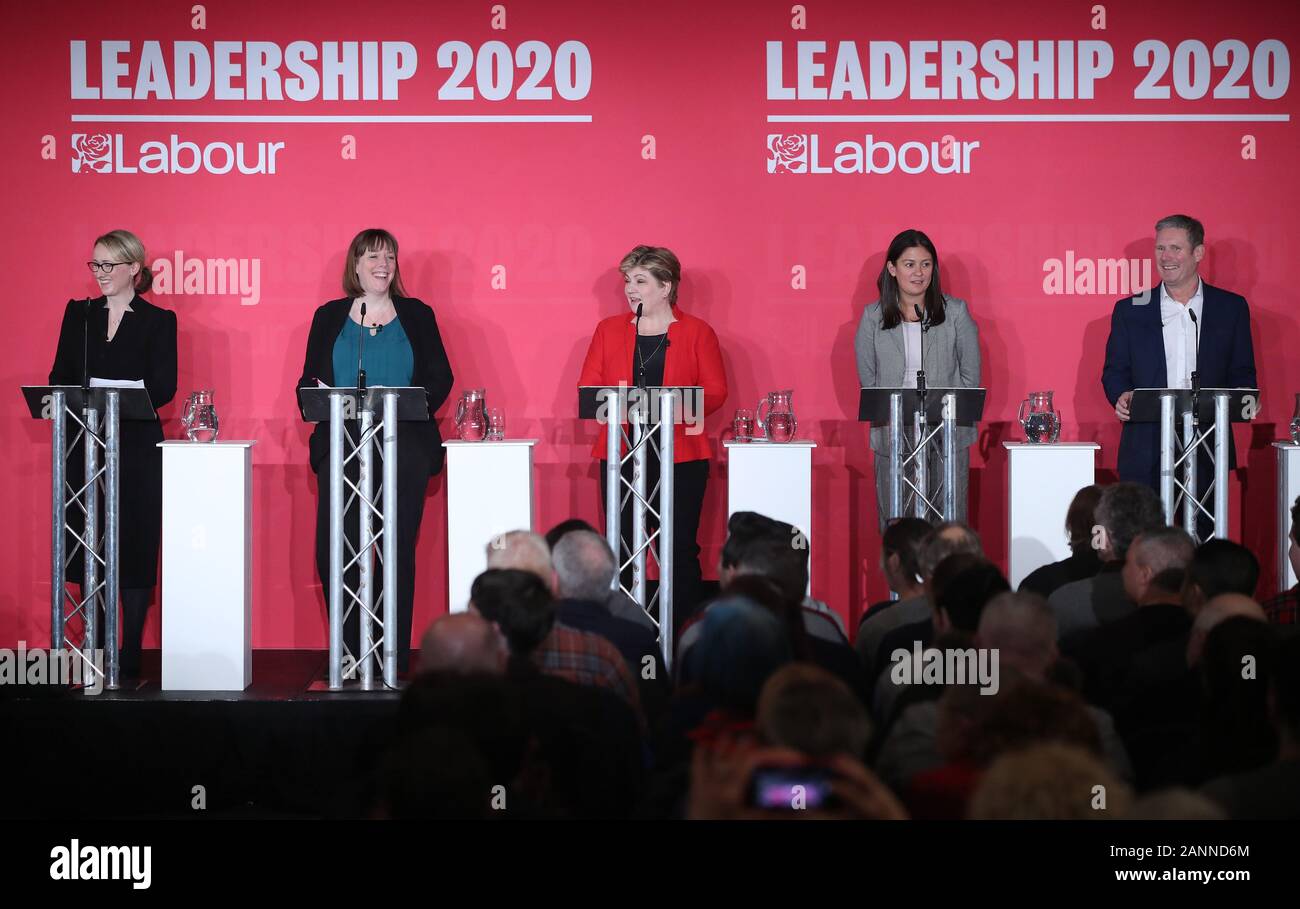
x=278 y=748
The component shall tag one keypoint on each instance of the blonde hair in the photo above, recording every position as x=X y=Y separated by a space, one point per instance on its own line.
x=660 y=262
x=125 y=246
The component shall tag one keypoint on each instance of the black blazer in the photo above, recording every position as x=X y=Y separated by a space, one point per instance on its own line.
x=431 y=370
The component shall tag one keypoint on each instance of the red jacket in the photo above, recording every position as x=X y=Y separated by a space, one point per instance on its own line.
x=692 y=358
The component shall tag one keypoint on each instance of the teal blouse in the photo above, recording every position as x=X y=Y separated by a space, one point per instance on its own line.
x=387 y=356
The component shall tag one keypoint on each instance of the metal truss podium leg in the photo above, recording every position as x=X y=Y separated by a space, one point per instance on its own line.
x=1167 y=456
x=1222 y=436
x=58 y=522
x=667 y=421
x=1190 y=494
x=391 y=643
x=895 y=456
x=949 y=462
x=112 y=513
x=335 y=592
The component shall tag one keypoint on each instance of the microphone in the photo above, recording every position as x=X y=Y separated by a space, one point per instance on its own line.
x=361 y=342
x=920 y=373
x=85 y=358
x=1196 y=377
x=636 y=335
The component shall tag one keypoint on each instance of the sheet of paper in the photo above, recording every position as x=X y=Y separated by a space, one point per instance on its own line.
x=116 y=383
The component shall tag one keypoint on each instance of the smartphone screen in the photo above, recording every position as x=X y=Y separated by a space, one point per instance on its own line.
x=791 y=788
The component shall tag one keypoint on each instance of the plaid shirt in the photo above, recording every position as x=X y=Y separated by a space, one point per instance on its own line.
x=1281 y=610
x=587 y=659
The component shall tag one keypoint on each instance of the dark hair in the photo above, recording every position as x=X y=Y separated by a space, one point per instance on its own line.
x=519 y=603
x=370 y=239
x=487 y=708
x=1195 y=229
x=890 y=314
x=767 y=592
x=757 y=544
x=903 y=538
x=1222 y=566
x=963 y=584
x=1295 y=521
x=564 y=528
x=741 y=645
x=434 y=774
x=1125 y=511
x=1082 y=517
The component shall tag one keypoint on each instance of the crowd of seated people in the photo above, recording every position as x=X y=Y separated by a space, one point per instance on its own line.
x=1138 y=678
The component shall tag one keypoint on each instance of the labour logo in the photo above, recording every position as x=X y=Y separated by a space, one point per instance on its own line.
x=787 y=154
x=91 y=153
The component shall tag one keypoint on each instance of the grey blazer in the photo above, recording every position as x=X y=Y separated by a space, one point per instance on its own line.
x=952 y=359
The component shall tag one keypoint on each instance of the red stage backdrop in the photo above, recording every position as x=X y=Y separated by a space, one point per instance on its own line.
x=518 y=150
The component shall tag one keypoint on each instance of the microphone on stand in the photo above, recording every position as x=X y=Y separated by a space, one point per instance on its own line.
x=1196 y=376
x=85 y=351
x=920 y=373
x=636 y=339
x=361 y=370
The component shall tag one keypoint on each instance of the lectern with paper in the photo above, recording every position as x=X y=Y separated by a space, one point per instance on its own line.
x=95 y=415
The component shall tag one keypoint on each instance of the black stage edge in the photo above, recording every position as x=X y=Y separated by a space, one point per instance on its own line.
x=277 y=749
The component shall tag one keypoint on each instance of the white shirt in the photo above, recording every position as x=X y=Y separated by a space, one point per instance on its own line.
x=1180 y=335
x=912 y=355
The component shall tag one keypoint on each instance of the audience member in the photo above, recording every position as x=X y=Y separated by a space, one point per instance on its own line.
x=1124 y=511
x=1050 y=781
x=1083 y=561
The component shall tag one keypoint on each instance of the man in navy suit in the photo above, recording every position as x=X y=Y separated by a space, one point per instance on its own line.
x=1153 y=343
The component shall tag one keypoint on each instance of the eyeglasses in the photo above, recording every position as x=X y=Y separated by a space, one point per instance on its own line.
x=105 y=267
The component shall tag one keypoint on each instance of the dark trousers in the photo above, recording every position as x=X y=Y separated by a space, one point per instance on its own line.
x=412 y=483
x=690 y=479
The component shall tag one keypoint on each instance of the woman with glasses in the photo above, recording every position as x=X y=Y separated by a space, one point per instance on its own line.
x=120 y=335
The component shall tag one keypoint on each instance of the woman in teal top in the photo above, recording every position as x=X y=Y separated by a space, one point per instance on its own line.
x=402 y=349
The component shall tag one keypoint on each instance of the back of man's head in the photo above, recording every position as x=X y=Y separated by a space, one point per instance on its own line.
x=741 y=645
x=902 y=540
x=1021 y=627
x=463 y=642
x=1159 y=558
x=806 y=708
x=519 y=603
x=1214 y=613
x=1125 y=511
x=1049 y=781
x=584 y=566
x=759 y=545
x=522 y=550
x=1220 y=566
x=962 y=597
x=949 y=538
x=562 y=529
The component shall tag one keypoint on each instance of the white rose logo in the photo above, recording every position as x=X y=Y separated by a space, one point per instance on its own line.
x=787 y=154
x=91 y=153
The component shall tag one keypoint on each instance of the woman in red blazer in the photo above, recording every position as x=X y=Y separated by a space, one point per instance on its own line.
x=668 y=347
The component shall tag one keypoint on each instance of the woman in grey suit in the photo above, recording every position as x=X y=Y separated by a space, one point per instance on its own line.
x=912 y=311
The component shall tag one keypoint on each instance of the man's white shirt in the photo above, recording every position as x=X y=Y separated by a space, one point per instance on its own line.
x=1180 y=335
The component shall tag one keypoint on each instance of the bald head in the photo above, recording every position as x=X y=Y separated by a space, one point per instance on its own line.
x=523 y=550
x=464 y=642
x=1218 y=610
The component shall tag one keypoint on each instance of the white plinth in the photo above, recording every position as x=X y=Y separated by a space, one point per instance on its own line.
x=1041 y=482
x=489 y=492
x=207 y=566
x=1288 y=487
x=773 y=479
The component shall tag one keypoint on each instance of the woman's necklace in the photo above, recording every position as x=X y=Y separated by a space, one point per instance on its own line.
x=642 y=360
